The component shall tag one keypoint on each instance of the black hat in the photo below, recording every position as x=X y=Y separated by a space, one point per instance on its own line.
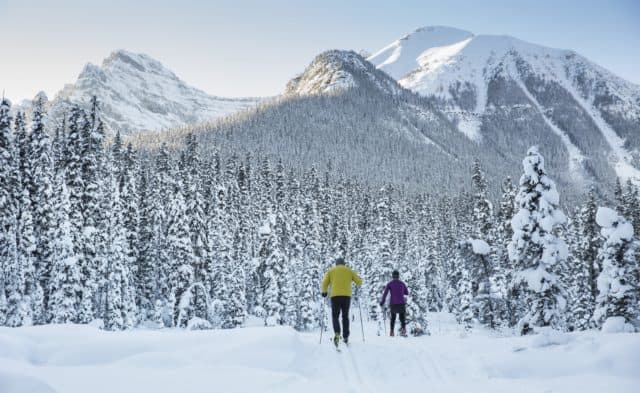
x=340 y=261
x=395 y=274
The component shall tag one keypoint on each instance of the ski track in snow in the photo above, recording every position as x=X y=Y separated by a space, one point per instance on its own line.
x=362 y=381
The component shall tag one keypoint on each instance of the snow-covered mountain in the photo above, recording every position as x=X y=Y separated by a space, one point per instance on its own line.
x=335 y=71
x=491 y=85
x=138 y=93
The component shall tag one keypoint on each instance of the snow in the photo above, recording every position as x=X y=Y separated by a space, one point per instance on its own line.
x=614 y=228
x=606 y=217
x=469 y=124
x=617 y=325
x=536 y=277
x=480 y=246
x=548 y=336
x=400 y=58
x=80 y=359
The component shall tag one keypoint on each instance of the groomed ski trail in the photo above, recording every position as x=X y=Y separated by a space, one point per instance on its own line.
x=364 y=383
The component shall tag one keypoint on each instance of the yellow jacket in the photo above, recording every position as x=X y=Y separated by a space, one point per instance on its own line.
x=340 y=278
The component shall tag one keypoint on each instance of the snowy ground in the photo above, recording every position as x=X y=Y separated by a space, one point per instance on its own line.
x=84 y=359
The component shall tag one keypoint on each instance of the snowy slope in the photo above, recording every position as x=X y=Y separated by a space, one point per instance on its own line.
x=475 y=76
x=80 y=359
x=138 y=93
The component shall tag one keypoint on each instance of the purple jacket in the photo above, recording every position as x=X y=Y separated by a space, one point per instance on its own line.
x=398 y=292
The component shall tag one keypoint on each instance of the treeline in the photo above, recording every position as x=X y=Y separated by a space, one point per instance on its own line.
x=201 y=238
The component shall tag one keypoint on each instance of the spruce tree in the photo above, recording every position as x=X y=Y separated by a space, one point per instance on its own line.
x=269 y=269
x=12 y=271
x=535 y=246
x=504 y=270
x=65 y=282
x=235 y=302
x=618 y=287
x=482 y=207
x=631 y=204
x=25 y=235
x=585 y=269
x=42 y=197
x=92 y=162
x=119 y=294
x=180 y=253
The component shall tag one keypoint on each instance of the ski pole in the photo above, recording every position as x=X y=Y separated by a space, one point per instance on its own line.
x=384 y=320
x=322 y=318
x=361 y=323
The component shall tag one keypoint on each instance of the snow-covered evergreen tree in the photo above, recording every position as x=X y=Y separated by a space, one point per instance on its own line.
x=504 y=269
x=92 y=171
x=270 y=262
x=14 y=308
x=65 y=285
x=535 y=246
x=482 y=206
x=631 y=204
x=618 y=288
x=41 y=193
x=180 y=253
x=119 y=302
x=585 y=268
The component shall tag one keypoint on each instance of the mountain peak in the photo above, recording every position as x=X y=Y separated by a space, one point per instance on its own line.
x=444 y=34
x=122 y=59
x=137 y=93
x=336 y=71
x=399 y=58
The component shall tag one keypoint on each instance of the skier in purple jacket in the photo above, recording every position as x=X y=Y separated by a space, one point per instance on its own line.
x=397 y=301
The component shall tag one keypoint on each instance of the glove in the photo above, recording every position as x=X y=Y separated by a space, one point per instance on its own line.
x=324 y=294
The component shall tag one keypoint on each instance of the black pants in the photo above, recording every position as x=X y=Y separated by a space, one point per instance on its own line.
x=398 y=309
x=340 y=304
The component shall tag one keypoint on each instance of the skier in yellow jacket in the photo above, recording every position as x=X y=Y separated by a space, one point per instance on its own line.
x=340 y=278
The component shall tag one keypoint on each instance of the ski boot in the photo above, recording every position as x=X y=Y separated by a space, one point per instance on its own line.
x=346 y=340
x=403 y=332
x=336 y=339
x=391 y=334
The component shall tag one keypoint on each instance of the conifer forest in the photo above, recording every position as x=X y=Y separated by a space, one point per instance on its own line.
x=96 y=229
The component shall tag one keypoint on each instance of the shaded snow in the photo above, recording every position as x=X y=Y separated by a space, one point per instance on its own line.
x=617 y=325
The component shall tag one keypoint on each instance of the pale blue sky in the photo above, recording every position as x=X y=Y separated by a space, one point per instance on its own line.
x=252 y=48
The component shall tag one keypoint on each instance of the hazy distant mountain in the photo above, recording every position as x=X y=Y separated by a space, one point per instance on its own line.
x=504 y=91
x=138 y=93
